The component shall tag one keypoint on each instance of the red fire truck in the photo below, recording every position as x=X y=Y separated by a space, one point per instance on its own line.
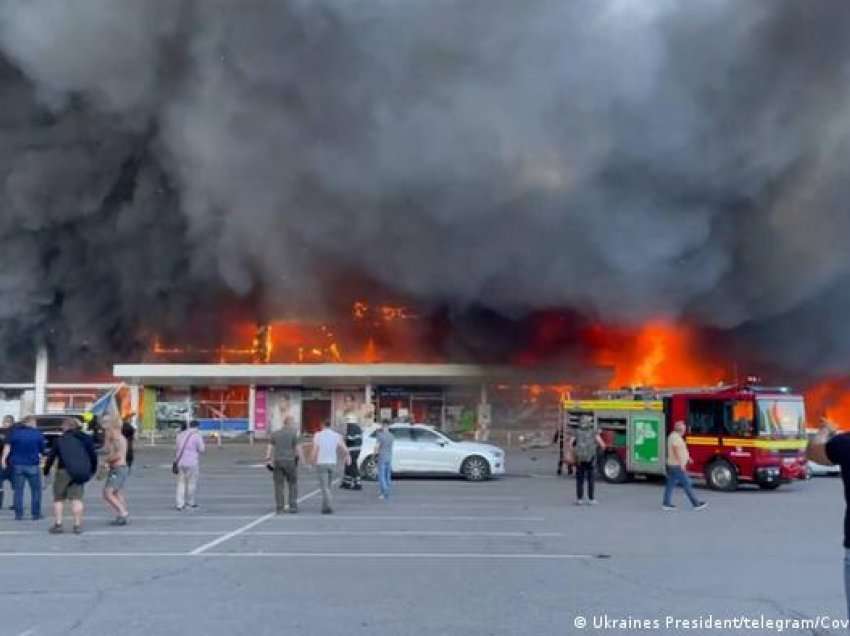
x=734 y=433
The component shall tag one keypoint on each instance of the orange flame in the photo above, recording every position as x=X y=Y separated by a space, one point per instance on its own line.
x=657 y=354
x=829 y=399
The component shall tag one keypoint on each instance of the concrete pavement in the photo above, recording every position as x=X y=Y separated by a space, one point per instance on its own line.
x=511 y=556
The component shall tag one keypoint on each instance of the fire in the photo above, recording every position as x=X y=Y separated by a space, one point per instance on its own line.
x=657 y=354
x=829 y=399
x=372 y=333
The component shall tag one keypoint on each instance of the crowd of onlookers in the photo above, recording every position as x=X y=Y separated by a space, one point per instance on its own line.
x=26 y=458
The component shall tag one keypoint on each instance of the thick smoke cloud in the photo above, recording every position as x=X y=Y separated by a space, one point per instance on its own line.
x=624 y=159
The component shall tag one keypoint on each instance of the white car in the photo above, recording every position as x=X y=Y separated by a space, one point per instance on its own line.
x=815 y=470
x=421 y=449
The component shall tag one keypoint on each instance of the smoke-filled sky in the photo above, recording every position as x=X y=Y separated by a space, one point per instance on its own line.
x=623 y=159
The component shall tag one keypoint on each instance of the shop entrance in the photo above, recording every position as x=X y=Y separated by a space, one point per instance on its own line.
x=316 y=409
x=422 y=405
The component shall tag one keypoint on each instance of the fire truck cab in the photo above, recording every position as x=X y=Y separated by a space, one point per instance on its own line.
x=734 y=433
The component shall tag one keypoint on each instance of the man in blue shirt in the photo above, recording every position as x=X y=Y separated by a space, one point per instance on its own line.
x=23 y=451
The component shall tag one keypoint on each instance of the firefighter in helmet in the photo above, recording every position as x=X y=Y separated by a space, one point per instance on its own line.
x=353 y=441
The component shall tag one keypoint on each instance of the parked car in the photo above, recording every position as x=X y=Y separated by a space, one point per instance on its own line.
x=814 y=469
x=421 y=449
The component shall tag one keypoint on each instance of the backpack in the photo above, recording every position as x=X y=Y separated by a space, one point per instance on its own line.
x=585 y=445
x=75 y=458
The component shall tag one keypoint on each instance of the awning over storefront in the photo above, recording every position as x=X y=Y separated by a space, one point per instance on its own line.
x=312 y=375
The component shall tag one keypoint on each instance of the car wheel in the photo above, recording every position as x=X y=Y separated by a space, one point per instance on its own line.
x=614 y=469
x=772 y=486
x=475 y=468
x=369 y=469
x=721 y=475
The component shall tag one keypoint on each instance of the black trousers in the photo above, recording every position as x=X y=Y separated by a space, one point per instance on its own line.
x=351 y=478
x=584 y=470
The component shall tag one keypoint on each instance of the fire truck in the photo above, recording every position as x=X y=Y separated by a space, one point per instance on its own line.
x=735 y=434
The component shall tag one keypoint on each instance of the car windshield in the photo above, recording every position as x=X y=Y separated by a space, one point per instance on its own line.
x=455 y=437
x=783 y=418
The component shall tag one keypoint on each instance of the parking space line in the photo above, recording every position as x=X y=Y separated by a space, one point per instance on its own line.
x=312 y=555
x=399 y=533
x=299 y=533
x=235 y=533
x=345 y=517
x=199 y=516
x=130 y=533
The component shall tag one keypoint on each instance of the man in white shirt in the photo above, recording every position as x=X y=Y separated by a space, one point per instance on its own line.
x=328 y=446
x=678 y=459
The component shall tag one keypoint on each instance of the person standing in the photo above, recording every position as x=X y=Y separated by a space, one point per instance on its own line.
x=384 y=451
x=22 y=452
x=77 y=462
x=116 y=478
x=328 y=446
x=189 y=447
x=282 y=456
x=353 y=442
x=678 y=459
x=5 y=473
x=828 y=448
x=586 y=445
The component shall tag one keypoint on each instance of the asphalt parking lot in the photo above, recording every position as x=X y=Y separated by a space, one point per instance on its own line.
x=511 y=556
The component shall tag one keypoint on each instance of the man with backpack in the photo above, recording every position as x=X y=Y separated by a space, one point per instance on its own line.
x=587 y=444
x=77 y=462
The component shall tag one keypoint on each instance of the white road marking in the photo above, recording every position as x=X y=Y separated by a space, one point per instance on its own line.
x=307 y=555
x=130 y=533
x=399 y=533
x=403 y=555
x=182 y=516
x=299 y=533
x=230 y=535
x=340 y=516
x=248 y=526
x=344 y=517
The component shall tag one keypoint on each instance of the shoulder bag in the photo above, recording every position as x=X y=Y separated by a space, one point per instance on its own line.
x=175 y=467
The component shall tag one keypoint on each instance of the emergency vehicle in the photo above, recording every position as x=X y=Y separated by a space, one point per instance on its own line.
x=734 y=434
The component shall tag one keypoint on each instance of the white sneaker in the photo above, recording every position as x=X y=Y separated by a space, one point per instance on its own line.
x=591 y=502
x=381 y=497
x=580 y=502
x=668 y=508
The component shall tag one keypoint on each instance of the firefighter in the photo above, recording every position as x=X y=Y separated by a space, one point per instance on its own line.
x=353 y=441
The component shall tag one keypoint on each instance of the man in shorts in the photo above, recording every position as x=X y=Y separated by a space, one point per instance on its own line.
x=116 y=479
x=77 y=462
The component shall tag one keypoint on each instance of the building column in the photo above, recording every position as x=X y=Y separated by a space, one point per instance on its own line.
x=252 y=403
x=482 y=428
x=40 y=394
x=367 y=404
x=134 y=404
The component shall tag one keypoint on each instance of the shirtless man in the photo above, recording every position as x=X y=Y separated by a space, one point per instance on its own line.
x=116 y=460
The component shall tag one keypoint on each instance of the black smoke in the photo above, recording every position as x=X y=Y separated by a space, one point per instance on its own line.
x=623 y=160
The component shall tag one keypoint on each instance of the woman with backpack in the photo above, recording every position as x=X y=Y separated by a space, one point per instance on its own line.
x=187 y=465
x=586 y=445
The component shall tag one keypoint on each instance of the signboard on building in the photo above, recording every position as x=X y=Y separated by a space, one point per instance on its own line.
x=261 y=423
x=273 y=405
